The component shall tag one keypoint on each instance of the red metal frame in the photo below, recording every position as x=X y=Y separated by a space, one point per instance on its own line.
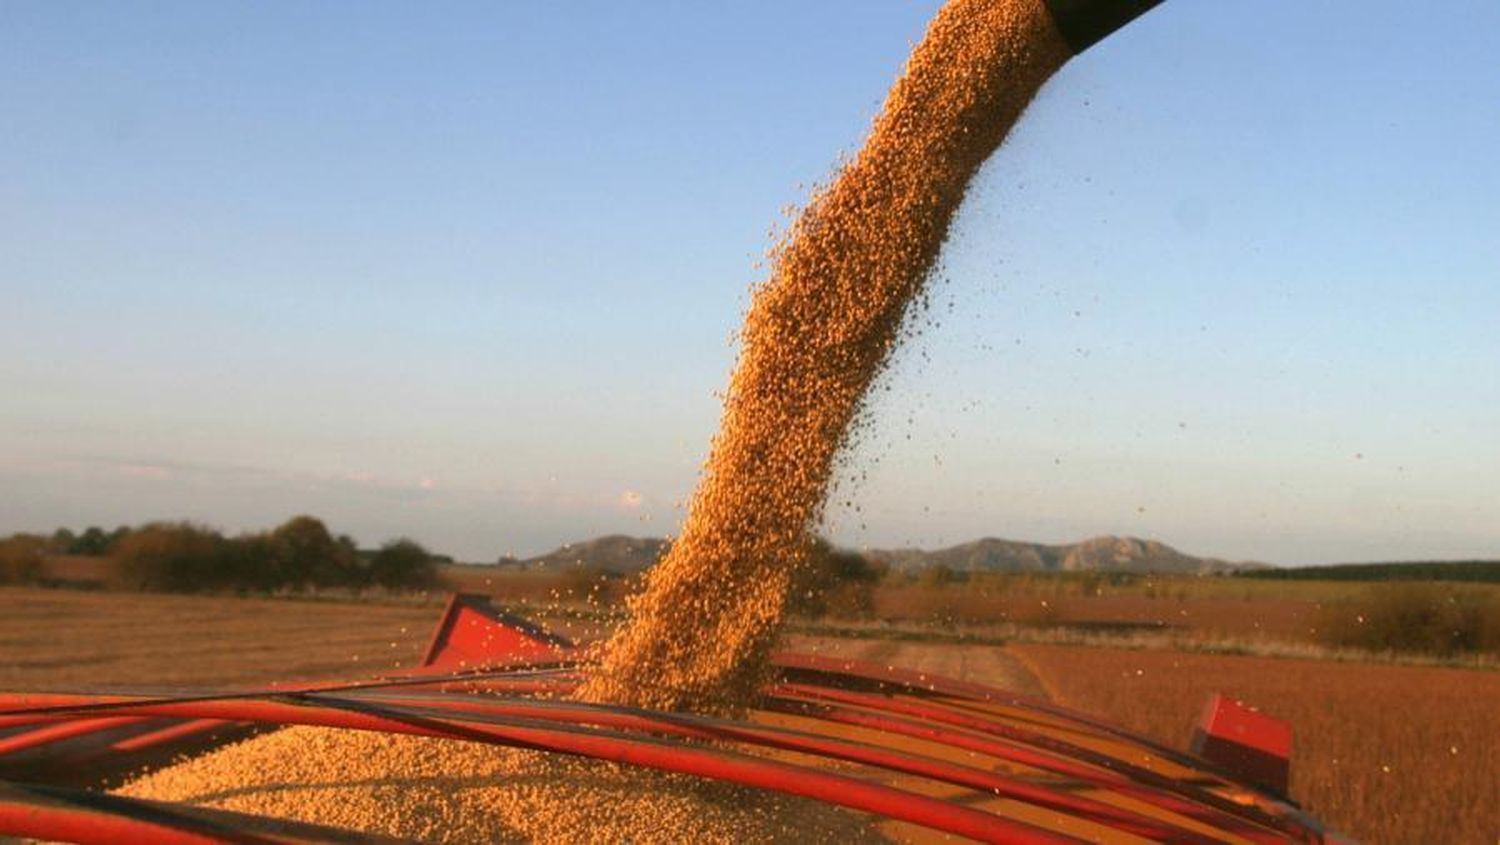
x=933 y=712
x=472 y=632
x=1245 y=741
x=477 y=647
x=58 y=814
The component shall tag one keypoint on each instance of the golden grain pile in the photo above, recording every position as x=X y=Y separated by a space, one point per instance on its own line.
x=817 y=333
x=462 y=792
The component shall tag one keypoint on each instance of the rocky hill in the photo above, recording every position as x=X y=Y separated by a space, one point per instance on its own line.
x=1097 y=554
x=613 y=553
x=622 y=554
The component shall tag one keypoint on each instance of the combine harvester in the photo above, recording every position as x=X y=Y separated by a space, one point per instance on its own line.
x=925 y=753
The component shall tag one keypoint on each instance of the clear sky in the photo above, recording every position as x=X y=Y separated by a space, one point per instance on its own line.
x=467 y=272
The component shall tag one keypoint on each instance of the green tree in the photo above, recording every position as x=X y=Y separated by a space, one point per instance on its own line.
x=307 y=555
x=249 y=562
x=403 y=564
x=21 y=558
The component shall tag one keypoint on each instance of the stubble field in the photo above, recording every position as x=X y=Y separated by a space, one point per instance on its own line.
x=61 y=639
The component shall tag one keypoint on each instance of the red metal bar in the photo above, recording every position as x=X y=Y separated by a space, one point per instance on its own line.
x=922 y=682
x=58 y=731
x=46 y=730
x=170 y=733
x=767 y=736
x=69 y=815
x=909 y=678
x=931 y=711
x=656 y=754
x=28 y=708
x=1045 y=761
x=68 y=824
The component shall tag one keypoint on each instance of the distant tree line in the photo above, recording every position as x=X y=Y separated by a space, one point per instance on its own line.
x=300 y=554
x=22 y=556
x=1474 y=571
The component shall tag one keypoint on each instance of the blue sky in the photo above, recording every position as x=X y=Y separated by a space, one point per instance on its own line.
x=468 y=272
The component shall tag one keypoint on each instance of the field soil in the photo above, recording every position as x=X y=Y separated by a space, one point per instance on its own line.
x=1386 y=753
x=1280 y=619
x=982 y=664
x=59 y=639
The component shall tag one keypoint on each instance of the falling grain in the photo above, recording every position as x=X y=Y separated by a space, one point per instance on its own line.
x=817 y=333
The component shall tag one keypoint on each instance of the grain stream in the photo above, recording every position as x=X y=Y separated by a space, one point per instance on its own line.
x=817 y=333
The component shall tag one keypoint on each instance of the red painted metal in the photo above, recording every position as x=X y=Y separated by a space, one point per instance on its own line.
x=1101 y=778
x=473 y=633
x=1273 y=805
x=172 y=732
x=715 y=764
x=918 y=682
x=694 y=727
x=50 y=733
x=69 y=815
x=1247 y=742
x=67 y=824
x=933 y=711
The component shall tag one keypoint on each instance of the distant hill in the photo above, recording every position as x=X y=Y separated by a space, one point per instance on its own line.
x=1434 y=570
x=1097 y=554
x=613 y=553
x=622 y=554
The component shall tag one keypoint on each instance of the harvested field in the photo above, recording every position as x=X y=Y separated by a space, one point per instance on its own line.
x=53 y=639
x=983 y=664
x=1209 y=616
x=1390 y=754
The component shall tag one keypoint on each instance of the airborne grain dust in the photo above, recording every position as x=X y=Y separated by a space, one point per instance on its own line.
x=817 y=333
